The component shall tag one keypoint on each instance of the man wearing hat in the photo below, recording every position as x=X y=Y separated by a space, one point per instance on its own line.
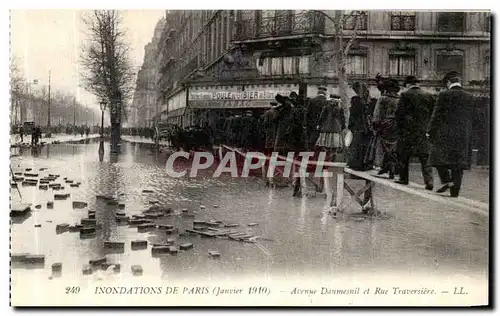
x=269 y=127
x=412 y=117
x=450 y=134
x=248 y=131
x=311 y=116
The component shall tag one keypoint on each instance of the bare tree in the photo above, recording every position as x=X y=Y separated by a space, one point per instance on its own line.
x=16 y=88
x=107 y=71
x=343 y=41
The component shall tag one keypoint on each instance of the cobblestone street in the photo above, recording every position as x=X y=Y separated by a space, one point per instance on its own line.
x=297 y=235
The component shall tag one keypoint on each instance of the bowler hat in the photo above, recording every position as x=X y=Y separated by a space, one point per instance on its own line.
x=322 y=88
x=449 y=75
x=392 y=85
x=411 y=80
x=281 y=99
x=273 y=103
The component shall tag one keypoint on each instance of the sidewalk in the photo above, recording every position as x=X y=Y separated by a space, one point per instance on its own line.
x=142 y=140
x=59 y=138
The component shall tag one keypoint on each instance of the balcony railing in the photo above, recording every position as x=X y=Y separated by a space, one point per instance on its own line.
x=280 y=25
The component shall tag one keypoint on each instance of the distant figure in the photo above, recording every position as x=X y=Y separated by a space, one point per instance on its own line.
x=21 y=133
x=36 y=135
x=87 y=131
x=450 y=133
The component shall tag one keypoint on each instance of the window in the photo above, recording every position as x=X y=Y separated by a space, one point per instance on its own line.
x=355 y=20
x=216 y=37
x=225 y=38
x=288 y=66
x=402 y=21
x=401 y=63
x=209 y=45
x=277 y=66
x=283 y=21
x=356 y=64
x=283 y=66
x=487 y=65
x=266 y=19
x=303 y=64
x=263 y=66
x=451 y=21
x=274 y=22
x=449 y=61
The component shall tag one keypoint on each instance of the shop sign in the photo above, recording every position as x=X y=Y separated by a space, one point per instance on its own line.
x=254 y=94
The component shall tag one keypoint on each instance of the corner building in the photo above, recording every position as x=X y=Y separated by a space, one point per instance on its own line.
x=217 y=62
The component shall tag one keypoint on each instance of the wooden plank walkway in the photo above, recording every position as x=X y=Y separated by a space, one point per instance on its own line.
x=336 y=189
x=418 y=190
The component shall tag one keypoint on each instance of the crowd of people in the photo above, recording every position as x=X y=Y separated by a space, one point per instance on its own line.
x=386 y=132
x=36 y=132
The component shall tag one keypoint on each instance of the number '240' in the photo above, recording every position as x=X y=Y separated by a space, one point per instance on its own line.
x=72 y=289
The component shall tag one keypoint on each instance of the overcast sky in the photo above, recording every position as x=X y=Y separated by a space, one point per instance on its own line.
x=51 y=39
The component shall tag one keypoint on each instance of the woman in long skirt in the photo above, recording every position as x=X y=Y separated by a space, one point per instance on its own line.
x=331 y=124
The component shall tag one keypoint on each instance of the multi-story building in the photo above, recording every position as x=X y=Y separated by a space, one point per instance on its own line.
x=211 y=61
x=144 y=105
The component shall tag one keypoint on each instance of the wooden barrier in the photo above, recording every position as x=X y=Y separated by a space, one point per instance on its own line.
x=336 y=185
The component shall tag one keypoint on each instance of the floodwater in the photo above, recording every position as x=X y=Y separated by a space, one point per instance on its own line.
x=299 y=237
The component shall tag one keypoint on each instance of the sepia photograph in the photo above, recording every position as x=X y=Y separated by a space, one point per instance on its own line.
x=250 y=157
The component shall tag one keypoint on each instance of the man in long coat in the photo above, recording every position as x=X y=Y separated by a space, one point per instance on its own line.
x=412 y=117
x=311 y=118
x=450 y=133
x=269 y=127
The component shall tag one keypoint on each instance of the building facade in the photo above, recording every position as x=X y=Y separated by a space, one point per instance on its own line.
x=226 y=60
x=144 y=105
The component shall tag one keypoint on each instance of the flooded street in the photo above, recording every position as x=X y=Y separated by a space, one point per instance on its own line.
x=298 y=237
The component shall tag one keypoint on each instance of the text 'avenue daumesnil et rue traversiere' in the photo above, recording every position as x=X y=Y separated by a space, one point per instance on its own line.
x=259 y=290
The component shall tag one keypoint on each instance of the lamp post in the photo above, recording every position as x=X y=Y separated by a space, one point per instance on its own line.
x=102 y=104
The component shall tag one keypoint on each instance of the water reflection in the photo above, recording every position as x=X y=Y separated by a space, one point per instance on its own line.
x=298 y=236
x=36 y=150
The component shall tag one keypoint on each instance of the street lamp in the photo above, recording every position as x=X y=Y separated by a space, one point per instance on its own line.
x=102 y=104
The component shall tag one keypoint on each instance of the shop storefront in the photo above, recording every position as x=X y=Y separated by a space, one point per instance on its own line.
x=209 y=103
x=176 y=109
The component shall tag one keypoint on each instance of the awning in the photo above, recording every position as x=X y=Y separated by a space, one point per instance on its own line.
x=176 y=112
x=229 y=104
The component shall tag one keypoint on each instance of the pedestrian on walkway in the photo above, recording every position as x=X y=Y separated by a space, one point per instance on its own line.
x=384 y=144
x=412 y=117
x=360 y=126
x=450 y=134
x=283 y=122
x=268 y=126
x=311 y=117
x=331 y=123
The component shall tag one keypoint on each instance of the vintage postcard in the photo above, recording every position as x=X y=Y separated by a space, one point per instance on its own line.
x=249 y=157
